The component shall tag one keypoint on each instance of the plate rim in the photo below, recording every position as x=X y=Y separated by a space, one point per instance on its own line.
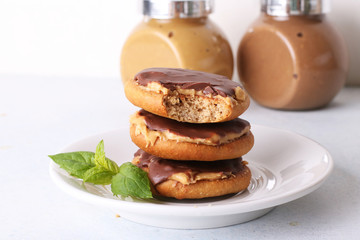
x=193 y=209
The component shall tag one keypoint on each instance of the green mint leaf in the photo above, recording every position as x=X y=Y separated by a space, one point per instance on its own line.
x=98 y=175
x=131 y=181
x=99 y=153
x=75 y=163
x=101 y=160
x=127 y=180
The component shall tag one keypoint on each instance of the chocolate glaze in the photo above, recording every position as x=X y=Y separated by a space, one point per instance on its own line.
x=204 y=130
x=171 y=78
x=161 y=169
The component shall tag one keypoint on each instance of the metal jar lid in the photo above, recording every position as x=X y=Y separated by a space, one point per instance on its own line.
x=295 y=7
x=166 y=9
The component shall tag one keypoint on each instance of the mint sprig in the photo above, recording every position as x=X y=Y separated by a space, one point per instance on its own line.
x=126 y=180
x=104 y=168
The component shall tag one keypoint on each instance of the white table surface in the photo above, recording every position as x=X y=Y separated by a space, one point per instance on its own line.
x=40 y=115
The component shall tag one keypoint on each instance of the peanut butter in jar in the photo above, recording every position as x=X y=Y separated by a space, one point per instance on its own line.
x=292 y=57
x=177 y=34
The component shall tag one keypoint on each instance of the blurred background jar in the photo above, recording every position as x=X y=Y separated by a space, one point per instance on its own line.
x=292 y=57
x=179 y=34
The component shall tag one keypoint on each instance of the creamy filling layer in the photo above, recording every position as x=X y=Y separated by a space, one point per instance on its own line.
x=151 y=136
x=240 y=95
x=191 y=177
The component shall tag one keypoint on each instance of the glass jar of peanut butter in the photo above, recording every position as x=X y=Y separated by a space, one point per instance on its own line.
x=178 y=34
x=292 y=57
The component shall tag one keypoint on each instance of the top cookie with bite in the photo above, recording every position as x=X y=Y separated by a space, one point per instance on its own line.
x=187 y=95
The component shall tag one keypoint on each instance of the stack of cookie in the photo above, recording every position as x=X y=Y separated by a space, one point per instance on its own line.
x=190 y=137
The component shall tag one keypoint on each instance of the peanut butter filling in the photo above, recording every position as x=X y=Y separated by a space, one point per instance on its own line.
x=240 y=95
x=191 y=177
x=151 y=136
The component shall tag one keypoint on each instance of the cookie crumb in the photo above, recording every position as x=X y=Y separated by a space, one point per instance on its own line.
x=294 y=223
x=117 y=215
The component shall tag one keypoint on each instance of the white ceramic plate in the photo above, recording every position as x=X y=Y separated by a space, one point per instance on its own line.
x=285 y=166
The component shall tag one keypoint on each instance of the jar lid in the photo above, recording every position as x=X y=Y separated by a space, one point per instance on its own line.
x=166 y=9
x=295 y=7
